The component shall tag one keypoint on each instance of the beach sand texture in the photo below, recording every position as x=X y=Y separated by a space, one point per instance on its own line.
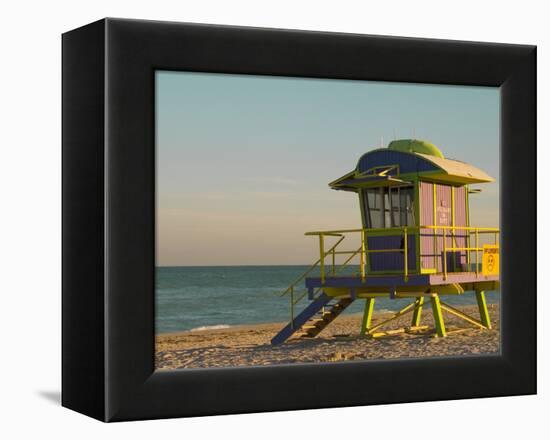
x=250 y=345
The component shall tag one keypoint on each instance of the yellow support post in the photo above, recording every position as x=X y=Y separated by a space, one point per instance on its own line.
x=453 y=239
x=460 y=314
x=416 y=208
x=438 y=316
x=366 y=249
x=468 y=231
x=417 y=314
x=363 y=256
x=477 y=252
x=444 y=254
x=407 y=309
x=405 y=253
x=322 y=257
x=436 y=257
x=367 y=316
x=483 y=312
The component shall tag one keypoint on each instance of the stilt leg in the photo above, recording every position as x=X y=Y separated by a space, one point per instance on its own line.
x=438 y=316
x=417 y=311
x=367 y=315
x=483 y=312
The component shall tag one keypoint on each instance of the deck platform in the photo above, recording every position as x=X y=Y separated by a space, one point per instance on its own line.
x=398 y=280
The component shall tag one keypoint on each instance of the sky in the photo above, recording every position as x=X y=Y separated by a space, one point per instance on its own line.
x=244 y=161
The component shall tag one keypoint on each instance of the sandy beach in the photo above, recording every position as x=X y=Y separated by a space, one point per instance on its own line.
x=250 y=345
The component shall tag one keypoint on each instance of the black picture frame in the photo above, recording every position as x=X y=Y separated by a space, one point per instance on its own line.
x=109 y=219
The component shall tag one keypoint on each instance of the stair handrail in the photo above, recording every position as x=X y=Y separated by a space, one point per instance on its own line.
x=293 y=301
x=338 y=269
x=314 y=265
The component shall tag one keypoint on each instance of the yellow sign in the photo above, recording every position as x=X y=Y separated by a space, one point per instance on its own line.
x=490 y=260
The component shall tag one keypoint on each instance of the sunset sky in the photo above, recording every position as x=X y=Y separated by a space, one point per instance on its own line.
x=243 y=162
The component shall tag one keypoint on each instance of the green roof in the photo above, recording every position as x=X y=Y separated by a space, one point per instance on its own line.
x=395 y=172
x=415 y=146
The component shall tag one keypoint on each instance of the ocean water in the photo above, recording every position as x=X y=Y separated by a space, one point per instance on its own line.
x=197 y=298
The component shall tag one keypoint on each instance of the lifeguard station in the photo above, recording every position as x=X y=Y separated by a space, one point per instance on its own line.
x=416 y=242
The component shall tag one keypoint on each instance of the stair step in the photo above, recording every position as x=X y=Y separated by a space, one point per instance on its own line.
x=315 y=325
x=320 y=313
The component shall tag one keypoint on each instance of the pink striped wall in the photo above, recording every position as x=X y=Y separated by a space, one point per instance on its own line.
x=460 y=220
x=431 y=241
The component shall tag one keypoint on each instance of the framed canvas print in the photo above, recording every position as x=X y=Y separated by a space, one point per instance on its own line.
x=263 y=219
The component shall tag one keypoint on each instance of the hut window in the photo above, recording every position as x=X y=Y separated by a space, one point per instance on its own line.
x=406 y=206
x=387 y=207
x=374 y=212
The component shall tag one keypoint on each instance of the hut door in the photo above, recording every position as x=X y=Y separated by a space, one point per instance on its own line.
x=427 y=235
x=460 y=258
x=444 y=217
x=436 y=210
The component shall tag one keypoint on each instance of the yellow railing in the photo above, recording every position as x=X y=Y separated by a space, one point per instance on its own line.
x=467 y=234
x=363 y=251
x=295 y=299
x=444 y=232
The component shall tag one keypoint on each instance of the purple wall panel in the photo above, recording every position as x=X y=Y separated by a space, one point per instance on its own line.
x=385 y=261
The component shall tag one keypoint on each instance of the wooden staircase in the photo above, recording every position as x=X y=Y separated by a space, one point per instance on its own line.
x=323 y=318
x=314 y=318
